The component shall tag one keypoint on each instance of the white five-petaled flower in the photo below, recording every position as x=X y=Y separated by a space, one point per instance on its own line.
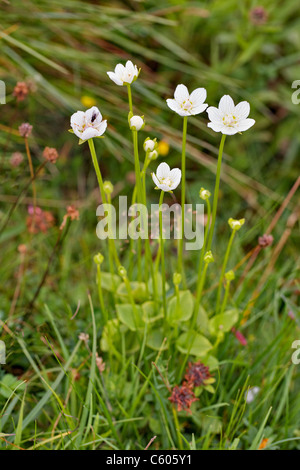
x=88 y=124
x=124 y=74
x=186 y=104
x=165 y=178
x=228 y=118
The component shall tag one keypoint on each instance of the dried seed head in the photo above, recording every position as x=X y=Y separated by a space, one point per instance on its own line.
x=50 y=154
x=21 y=91
x=258 y=15
x=265 y=240
x=39 y=220
x=183 y=396
x=25 y=129
x=196 y=374
x=16 y=159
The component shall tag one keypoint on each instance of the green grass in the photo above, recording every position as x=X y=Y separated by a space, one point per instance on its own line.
x=52 y=395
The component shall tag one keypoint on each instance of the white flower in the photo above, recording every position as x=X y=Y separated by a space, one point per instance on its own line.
x=136 y=123
x=251 y=394
x=228 y=118
x=186 y=104
x=88 y=124
x=166 y=179
x=124 y=75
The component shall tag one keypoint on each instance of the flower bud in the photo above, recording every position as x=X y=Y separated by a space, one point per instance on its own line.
x=153 y=155
x=108 y=187
x=136 y=123
x=208 y=257
x=236 y=224
x=98 y=258
x=122 y=272
x=204 y=194
x=229 y=276
x=149 y=145
x=177 y=279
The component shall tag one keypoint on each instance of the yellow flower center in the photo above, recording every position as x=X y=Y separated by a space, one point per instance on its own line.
x=229 y=120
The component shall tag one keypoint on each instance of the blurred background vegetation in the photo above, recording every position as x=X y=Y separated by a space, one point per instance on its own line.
x=62 y=50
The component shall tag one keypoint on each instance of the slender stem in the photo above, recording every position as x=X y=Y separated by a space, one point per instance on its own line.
x=97 y=169
x=216 y=193
x=203 y=251
x=183 y=159
x=129 y=98
x=224 y=303
x=224 y=268
x=199 y=294
x=180 y=445
x=32 y=176
x=163 y=271
x=104 y=312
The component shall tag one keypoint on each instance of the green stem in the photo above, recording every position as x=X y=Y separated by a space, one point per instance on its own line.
x=97 y=169
x=223 y=269
x=180 y=445
x=183 y=160
x=224 y=303
x=129 y=98
x=203 y=251
x=104 y=312
x=163 y=271
x=216 y=193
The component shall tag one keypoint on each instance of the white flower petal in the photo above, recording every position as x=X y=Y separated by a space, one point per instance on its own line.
x=181 y=93
x=198 y=96
x=164 y=187
x=156 y=181
x=101 y=128
x=114 y=77
x=214 y=114
x=226 y=104
x=242 y=110
x=93 y=116
x=78 y=119
x=216 y=126
x=119 y=70
x=163 y=171
x=199 y=109
x=244 y=125
x=89 y=133
x=176 y=107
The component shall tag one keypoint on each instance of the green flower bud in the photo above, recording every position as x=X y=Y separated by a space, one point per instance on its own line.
x=98 y=258
x=204 y=194
x=208 y=257
x=236 y=224
x=122 y=272
x=229 y=276
x=108 y=187
x=177 y=279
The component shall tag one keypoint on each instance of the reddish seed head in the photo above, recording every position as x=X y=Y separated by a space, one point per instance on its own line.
x=16 y=159
x=25 y=129
x=50 y=154
x=258 y=15
x=39 y=220
x=72 y=213
x=183 y=396
x=265 y=240
x=196 y=374
x=21 y=91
